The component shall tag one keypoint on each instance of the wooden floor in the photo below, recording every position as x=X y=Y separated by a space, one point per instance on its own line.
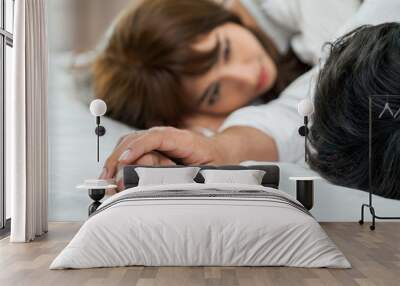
x=375 y=257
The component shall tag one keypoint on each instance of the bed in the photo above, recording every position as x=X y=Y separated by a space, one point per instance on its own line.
x=201 y=224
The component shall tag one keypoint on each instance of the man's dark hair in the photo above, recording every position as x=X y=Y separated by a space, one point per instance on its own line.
x=364 y=62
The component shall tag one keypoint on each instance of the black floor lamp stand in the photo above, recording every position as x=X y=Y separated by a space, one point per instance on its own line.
x=373 y=214
x=370 y=205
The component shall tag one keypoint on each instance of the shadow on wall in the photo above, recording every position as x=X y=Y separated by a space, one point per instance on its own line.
x=77 y=25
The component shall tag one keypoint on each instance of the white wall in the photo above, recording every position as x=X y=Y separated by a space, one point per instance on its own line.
x=74 y=25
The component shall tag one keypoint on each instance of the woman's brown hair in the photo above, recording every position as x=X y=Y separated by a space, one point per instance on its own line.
x=139 y=74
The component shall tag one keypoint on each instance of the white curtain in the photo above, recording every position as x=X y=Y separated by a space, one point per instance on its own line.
x=26 y=123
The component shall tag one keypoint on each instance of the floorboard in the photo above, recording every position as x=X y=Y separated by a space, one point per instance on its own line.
x=374 y=255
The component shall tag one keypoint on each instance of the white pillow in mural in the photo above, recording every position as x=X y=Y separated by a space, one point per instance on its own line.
x=162 y=176
x=247 y=177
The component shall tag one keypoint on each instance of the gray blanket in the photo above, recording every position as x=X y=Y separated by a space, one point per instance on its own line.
x=206 y=194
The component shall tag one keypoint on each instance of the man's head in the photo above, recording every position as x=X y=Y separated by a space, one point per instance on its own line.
x=362 y=63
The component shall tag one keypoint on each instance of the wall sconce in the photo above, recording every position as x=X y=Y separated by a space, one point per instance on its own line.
x=305 y=108
x=98 y=108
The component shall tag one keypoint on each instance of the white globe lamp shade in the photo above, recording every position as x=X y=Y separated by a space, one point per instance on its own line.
x=305 y=107
x=98 y=107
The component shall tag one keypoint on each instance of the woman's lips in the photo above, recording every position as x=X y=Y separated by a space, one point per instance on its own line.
x=262 y=79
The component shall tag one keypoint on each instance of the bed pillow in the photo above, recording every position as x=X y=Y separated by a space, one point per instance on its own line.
x=247 y=177
x=162 y=176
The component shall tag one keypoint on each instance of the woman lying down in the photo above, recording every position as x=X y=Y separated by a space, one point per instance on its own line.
x=199 y=69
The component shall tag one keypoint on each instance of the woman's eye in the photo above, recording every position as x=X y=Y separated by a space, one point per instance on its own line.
x=227 y=50
x=214 y=97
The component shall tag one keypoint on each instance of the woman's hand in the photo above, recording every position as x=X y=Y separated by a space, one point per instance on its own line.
x=163 y=146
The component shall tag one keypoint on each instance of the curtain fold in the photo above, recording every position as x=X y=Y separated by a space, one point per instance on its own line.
x=26 y=123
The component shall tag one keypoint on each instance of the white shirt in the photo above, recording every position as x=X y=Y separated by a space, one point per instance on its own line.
x=303 y=25
x=279 y=118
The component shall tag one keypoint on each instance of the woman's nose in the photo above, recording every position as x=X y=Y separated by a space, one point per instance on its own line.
x=245 y=75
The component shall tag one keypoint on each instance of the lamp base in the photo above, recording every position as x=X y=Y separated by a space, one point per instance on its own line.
x=96 y=195
x=100 y=130
x=305 y=193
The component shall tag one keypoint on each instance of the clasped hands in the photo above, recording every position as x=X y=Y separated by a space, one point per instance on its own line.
x=171 y=146
x=163 y=146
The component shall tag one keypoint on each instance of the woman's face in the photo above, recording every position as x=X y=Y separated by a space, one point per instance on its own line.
x=243 y=72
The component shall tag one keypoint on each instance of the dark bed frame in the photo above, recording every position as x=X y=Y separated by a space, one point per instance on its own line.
x=270 y=179
x=304 y=189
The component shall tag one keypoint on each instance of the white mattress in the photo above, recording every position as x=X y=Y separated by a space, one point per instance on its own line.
x=270 y=230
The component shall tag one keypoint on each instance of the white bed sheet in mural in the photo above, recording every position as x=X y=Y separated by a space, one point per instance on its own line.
x=201 y=224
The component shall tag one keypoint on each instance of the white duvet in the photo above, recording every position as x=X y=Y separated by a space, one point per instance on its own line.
x=265 y=229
